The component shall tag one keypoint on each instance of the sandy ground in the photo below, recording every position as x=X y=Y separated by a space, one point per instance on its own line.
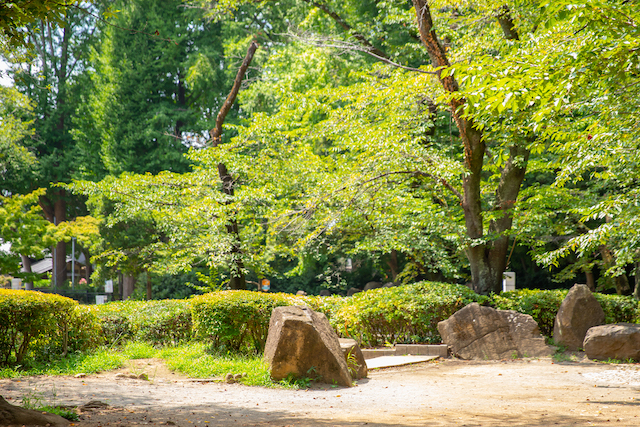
x=530 y=392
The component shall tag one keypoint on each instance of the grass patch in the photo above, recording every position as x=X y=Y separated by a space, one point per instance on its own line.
x=91 y=362
x=193 y=359
x=196 y=361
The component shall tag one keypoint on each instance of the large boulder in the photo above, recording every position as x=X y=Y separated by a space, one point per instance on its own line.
x=11 y=415
x=354 y=358
x=302 y=343
x=618 y=341
x=478 y=332
x=579 y=311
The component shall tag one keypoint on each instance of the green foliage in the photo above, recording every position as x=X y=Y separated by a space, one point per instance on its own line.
x=543 y=305
x=166 y=322
x=23 y=225
x=404 y=314
x=42 y=326
x=618 y=308
x=16 y=127
x=237 y=321
x=15 y=15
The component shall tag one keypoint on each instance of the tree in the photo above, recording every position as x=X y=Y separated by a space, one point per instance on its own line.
x=24 y=227
x=52 y=79
x=141 y=113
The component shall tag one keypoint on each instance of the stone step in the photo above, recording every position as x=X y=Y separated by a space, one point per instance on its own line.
x=441 y=350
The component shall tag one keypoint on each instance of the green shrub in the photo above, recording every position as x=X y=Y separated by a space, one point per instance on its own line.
x=162 y=322
x=404 y=314
x=42 y=326
x=543 y=306
x=237 y=320
x=619 y=309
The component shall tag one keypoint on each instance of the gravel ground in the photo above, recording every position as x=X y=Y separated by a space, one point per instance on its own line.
x=529 y=392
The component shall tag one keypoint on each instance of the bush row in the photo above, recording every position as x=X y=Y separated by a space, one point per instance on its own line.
x=544 y=305
x=43 y=325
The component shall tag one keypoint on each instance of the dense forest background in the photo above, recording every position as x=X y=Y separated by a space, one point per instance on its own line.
x=371 y=141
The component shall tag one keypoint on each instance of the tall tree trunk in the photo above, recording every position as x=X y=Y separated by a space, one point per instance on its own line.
x=128 y=286
x=26 y=268
x=487 y=260
x=237 y=280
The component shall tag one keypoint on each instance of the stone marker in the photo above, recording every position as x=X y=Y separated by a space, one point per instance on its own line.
x=618 y=341
x=477 y=332
x=15 y=415
x=354 y=358
x=579 y=311
x=301 y=342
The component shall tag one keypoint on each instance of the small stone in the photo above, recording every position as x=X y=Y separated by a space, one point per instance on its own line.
x=121 y=375
x=237 y=377
x=143 y=376
x=229 y=378
x=80 y=375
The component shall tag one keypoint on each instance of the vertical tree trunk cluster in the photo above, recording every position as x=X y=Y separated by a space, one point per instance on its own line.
x=487 y=259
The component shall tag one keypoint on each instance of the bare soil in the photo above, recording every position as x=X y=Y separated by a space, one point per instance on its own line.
x=529 y=392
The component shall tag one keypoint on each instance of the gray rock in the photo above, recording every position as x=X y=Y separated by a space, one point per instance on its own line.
x=390 y=285
x=477 y=332
x=578 y=312
x=618 y=341
x=373 y=285
x=353 y=291
x=354 y=358
x=302 y=343
x=325 y=293
x=301 y=293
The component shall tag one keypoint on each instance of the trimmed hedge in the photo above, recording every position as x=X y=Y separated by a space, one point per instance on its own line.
x=42 y=325
x=404 y=314
x=158 y=322
x=543 y=305
x=237 y=320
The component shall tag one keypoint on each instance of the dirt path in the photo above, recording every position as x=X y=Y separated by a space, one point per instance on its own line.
x=533 y=392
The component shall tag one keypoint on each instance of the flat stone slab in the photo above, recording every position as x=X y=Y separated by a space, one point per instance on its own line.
x=389 y=361
x=441 y=350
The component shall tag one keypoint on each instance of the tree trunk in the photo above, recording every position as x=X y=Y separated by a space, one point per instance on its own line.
x=392 y=262
x=620 y=282
x=26 y=268
x=591 y=281
x=487 y=260
x=128 y=285
x=236 y=267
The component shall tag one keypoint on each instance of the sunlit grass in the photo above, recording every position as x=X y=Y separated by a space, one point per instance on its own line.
x=194 y=361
